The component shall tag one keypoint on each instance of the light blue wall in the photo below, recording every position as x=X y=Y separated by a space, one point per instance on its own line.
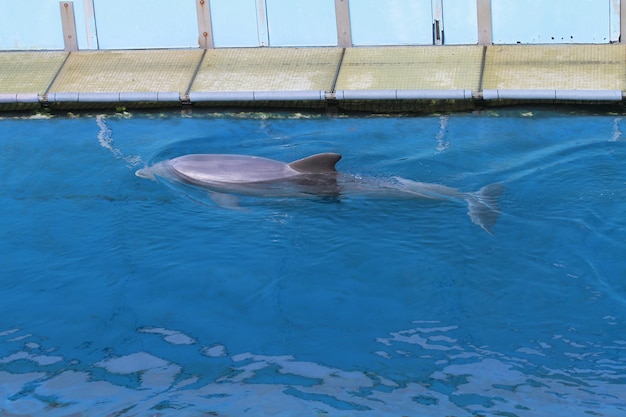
x=301 y=22
x=391 y=22
x=273 y=22
x=554 y=21
x=460 y=20
x=36 y=24
x=145 y=23
x=32 y=24
x=234 y=23
x=409 y=22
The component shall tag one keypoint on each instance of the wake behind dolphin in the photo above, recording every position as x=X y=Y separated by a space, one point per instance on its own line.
x=314 y=175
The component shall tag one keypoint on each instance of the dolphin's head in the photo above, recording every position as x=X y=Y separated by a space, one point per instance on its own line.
x=146 y=173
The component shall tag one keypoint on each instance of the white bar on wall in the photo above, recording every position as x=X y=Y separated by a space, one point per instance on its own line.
x=261 y=20
x=342 y=15
x=90 y=25
x=485 y=36
x=68 y=22
x=615 y=21
x=437 y=11
x=622 y=21
x=205 y=29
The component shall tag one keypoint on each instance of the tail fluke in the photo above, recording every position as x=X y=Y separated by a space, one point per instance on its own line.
x=483 y=206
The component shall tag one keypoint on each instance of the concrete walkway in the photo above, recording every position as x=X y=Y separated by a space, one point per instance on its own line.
x=365 y=78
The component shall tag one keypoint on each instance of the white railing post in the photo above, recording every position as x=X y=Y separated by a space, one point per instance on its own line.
x=205 y=28
x=90 y=25
x=485 y=36
x=68 y=23
x=342 y=15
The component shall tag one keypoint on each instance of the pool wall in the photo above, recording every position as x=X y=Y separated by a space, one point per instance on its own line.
x=347 y=55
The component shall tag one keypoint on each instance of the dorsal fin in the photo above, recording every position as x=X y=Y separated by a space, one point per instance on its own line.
x=320 y=163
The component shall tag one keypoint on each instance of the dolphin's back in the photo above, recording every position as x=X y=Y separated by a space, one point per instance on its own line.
x=229 y=169
x=242 y=169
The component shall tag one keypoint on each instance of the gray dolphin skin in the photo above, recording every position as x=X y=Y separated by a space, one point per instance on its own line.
x=316 y=175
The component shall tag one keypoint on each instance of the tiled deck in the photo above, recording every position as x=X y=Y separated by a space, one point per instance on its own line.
x=315 y=76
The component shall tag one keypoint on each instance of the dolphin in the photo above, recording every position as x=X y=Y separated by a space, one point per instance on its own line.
x=315 y=175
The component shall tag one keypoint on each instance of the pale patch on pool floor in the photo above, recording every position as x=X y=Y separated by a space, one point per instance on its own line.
x=466 y=380
x=170 y=336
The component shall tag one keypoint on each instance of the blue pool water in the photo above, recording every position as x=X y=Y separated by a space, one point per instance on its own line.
x=127 y=297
